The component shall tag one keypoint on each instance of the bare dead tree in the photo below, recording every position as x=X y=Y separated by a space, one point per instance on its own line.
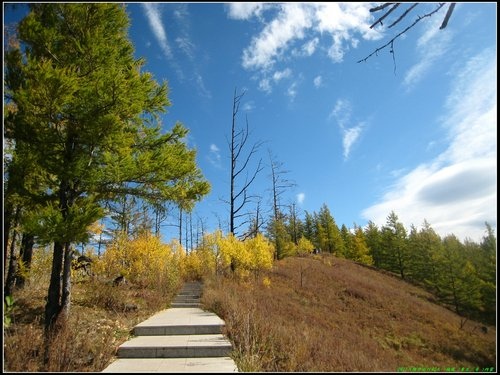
x=279 y=184
x=404 y=15
x=295 y=225
x=256 y=222
x=239 y=193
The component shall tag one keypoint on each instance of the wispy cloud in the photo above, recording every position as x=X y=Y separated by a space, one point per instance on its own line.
x=267 y=82
x=248 y=106
x=350 y=136
x=318 y=81
x=433 y=44
x=299 y=30
x=214 y=156
x=307 y=49
x=183 y=42
x=292 y=23
x=456 y=191
x=292 y=91
x=341 y=113
x=300 y=198
x=279 y=75
x=153 y=14
x=244 y=11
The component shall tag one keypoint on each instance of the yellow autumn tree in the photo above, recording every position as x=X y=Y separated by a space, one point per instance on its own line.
x=143 y=260
x=243 y=257
x=304 y=246
x=260 y=253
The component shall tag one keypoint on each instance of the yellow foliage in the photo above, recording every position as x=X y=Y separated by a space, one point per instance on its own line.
x=305 y=246
x=143 y=260
x=199 y=263
x=244 y=257
x=289 y=249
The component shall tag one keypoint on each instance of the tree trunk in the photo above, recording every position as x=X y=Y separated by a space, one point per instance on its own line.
x=26 y=255
x=11 y=272
x=66 y=280
x=53 y=306
x=7 y=217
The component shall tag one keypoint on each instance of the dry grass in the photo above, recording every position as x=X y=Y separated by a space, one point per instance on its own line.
x=319 y=313
x=101 y=318
x=322 y=313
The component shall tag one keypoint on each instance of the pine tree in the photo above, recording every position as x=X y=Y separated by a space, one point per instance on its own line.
x=394 y=246
x=309 y=229
x=329 y=235
x=360 y=250
x=373 y=241
x=458 y=279
x=89 y=117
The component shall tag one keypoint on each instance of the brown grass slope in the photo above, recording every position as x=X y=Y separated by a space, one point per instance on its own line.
x=321 y=313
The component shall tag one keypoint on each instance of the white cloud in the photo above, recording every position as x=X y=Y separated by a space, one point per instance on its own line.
x=433 y=44
x=294 y=22
x=350 y=136
x=243 y=11
x=310 y=47
x=186 y=46
x=279 y=75
x=341 y=112
x=265 y=84
x=318 y=81
x=214 y=156
x=248 y=106
x=291 y=23
x=300 y=198
x=183 y=42
x=455 y=192
x=292 y=91
x=153 y=15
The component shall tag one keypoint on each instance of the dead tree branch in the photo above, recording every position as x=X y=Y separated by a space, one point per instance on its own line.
x=403 y=15
x=391 y=42
x=394 y=7
x=447 y=16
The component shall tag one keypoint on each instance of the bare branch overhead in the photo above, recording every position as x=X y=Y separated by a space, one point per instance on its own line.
x=417 y=20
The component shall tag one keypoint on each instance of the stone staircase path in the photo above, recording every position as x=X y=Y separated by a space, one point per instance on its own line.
x=183 y=338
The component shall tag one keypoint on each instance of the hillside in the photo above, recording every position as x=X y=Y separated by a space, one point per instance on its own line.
x=321 y=313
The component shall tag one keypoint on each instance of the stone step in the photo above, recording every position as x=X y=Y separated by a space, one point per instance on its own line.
x=180 y=321
x=175 y=346
x=181 y=305
x=187 y=298
x=173 y=365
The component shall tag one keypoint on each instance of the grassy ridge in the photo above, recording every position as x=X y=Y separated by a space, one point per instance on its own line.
x=321 y=313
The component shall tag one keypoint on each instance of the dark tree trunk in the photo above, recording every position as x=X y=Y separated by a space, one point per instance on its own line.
x=53 y=306
x=7 y=217
x=11 y=272
x=26 y=255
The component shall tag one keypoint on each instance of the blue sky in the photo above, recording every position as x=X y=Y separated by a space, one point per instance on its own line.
x=417 y=137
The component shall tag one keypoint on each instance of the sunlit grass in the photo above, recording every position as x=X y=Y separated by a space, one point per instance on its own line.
x=321 y=313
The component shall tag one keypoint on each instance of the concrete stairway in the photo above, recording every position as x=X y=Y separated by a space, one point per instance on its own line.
x=183 y=338
x=189 y=296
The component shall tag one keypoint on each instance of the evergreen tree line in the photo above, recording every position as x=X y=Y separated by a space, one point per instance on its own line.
x=462 y=275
